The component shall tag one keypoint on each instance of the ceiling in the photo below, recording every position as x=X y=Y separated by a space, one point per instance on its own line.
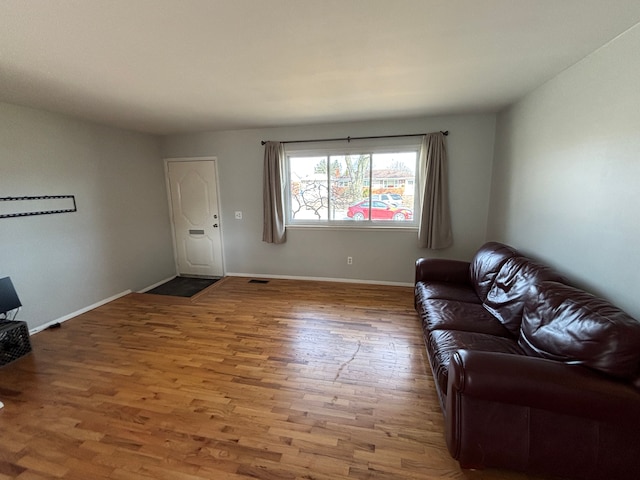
x=170 y=66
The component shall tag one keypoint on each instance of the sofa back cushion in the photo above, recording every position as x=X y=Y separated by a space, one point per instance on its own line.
x=486 y=264
x=567 y=324
x=505 y=300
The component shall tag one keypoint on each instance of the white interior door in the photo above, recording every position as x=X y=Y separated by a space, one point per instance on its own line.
x=196 y=219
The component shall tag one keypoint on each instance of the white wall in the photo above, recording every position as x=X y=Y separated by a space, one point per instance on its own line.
x=119 y=238
x=383 y=256
x=566 y=183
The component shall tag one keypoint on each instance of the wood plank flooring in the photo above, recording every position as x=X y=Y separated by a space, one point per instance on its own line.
x=284 y=380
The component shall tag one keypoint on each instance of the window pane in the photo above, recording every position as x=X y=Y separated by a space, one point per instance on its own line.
x=369 y=187
x=309 y=188
x=348 y=174
x=392 y=183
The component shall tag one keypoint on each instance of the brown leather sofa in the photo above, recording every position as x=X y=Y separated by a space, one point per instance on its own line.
x=532 y=374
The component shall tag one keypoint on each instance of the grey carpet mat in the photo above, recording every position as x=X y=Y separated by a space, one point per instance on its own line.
x=183 y=286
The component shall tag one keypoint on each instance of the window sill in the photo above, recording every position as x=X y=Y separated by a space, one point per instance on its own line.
x=368 y=228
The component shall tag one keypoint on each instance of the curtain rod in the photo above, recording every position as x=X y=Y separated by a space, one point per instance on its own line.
x=348 y=139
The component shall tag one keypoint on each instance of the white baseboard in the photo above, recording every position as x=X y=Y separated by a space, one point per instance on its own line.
x=78 y=312
x=151 y=287
x=320 y=279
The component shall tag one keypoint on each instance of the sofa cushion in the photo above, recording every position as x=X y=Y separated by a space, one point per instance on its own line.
x=507 y=295
x=469 y=317
x=486 y=264
x=446 y=291
x=442 y=344
x=567 y=324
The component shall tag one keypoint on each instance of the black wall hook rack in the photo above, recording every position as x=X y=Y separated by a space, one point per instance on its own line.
x=37 y=205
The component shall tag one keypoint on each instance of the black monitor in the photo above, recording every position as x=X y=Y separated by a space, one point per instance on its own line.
x=8 y=297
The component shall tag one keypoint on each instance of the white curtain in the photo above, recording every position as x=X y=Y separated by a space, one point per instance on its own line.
x=273 y=230
x=434 y=231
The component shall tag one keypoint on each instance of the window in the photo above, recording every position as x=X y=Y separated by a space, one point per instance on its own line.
x=357 y=186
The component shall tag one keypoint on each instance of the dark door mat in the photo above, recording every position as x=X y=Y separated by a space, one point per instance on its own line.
x=183 y=286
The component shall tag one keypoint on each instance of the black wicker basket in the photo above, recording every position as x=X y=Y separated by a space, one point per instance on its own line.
x=14 y=341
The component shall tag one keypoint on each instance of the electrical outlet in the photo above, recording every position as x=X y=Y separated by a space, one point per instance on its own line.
x=238 y=215
x=349 y=260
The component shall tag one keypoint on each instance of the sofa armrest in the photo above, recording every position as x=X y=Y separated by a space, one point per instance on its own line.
x=531 y=414
x=442 y=270
x=542 y=384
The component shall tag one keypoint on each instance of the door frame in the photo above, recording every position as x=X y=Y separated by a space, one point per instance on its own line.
x=171 y=221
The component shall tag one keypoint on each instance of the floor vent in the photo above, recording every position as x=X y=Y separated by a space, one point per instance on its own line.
x=258 y=281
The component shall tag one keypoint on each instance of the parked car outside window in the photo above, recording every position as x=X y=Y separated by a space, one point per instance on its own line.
x=379 y=211
x=391 y=198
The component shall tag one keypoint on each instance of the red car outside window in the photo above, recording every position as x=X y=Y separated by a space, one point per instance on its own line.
x=379 y=211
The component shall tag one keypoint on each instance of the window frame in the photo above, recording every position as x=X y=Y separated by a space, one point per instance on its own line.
x=371 y=148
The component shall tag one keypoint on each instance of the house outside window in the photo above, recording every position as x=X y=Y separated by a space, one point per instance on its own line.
x=372 y=186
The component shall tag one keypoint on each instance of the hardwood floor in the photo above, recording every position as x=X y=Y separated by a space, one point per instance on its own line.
x=284 y=380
